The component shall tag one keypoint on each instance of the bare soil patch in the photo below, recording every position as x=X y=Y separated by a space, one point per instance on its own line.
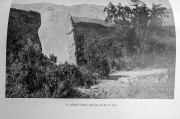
x=142 y=84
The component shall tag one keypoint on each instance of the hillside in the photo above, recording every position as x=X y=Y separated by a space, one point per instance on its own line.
x=101 y=51
x=83 y=12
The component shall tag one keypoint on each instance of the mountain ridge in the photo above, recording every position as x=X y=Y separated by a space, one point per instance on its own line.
x=82 y=12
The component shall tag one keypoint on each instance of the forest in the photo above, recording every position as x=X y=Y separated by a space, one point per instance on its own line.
x=137 y=40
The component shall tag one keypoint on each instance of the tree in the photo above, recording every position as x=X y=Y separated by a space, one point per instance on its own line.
x=136 y=19
x=137 y=15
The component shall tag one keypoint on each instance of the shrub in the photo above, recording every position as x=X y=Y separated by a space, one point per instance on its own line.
x=33 y=75
x=89 y=77
x=53 y=58
x=99 y=65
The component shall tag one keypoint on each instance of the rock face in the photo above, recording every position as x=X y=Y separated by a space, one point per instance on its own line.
x=56 y=34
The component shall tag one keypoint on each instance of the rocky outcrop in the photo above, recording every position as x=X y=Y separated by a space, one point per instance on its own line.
x=56 y=34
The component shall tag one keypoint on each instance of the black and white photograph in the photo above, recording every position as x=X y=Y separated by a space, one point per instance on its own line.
x=116 y=49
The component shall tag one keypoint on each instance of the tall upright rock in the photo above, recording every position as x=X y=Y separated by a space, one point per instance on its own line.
x=56 y=35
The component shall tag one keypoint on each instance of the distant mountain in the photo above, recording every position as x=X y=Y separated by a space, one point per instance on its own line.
x=83 y=12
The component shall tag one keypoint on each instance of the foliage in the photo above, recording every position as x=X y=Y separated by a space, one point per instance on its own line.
x=141 y=20
x=30 y=74
x=22 y=25
x=143 y=31
x=130 y=44
x=33 y=75
x=137 y=15
x=89 y=47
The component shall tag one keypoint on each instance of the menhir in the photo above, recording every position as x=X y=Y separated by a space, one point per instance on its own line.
x=56 y=35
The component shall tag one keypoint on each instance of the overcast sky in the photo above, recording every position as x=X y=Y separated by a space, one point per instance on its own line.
x=97 y=2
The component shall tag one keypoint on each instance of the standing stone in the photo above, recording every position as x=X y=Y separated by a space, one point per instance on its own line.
x=56 y=35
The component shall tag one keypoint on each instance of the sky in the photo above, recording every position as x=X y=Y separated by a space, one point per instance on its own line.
x=165 y=3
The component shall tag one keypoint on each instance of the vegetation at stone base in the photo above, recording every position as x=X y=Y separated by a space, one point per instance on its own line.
x=100 y=50
x=34 y=75
x=31 y=74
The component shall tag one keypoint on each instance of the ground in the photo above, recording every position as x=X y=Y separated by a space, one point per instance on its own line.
x=139 y=84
